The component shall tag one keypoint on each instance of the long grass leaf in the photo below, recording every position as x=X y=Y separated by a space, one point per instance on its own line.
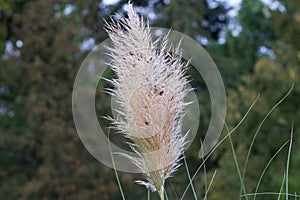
x=204 y=170
x=265 y=169
x=281 y=187
x=237 y=164
x=210 y=184
x=258 y=129
x=288 y=165
x=149 y=192
x=272 y=193
x=115 y=169
x=189 y=177
x=217 y=145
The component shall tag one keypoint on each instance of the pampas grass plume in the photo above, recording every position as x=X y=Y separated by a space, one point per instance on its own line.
x=149 y=89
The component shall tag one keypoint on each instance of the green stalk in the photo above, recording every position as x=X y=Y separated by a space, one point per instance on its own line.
x=161 y=193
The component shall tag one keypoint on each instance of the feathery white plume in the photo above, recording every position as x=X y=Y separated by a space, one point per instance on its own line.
x=150 y=88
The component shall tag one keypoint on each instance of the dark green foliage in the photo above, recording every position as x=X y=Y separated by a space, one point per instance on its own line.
x=194 y=18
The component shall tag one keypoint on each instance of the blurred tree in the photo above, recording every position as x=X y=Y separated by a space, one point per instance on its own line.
x=247 y=33
x=41 y=155
x=272 y=69
x=202 y=20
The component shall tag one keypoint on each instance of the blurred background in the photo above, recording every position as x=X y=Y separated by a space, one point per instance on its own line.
x=255 y=44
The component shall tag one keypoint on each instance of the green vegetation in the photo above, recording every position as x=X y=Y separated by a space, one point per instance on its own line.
x=41 y=155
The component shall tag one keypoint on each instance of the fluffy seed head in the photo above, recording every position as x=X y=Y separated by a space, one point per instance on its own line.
x=149 y=89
